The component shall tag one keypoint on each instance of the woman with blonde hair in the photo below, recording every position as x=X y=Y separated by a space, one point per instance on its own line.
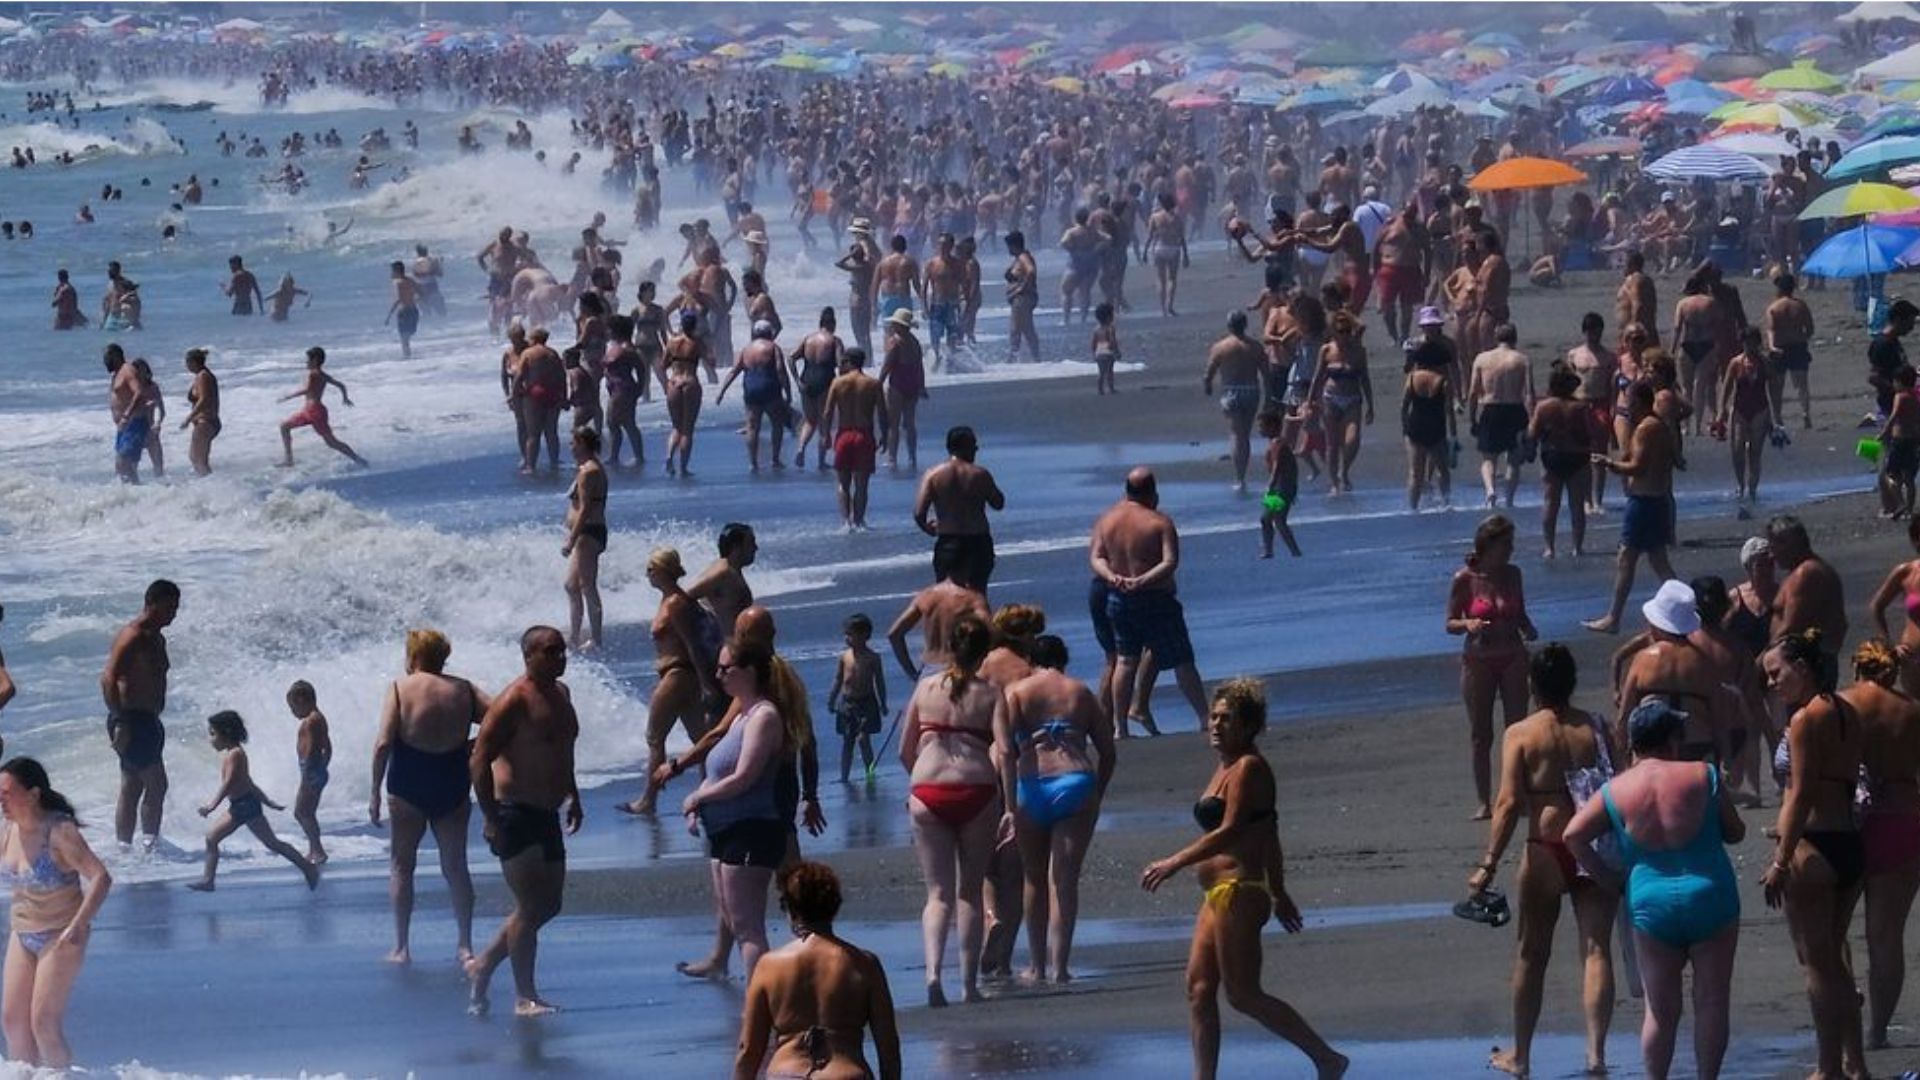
x=682 y=659
x=1015 y=626
x=1241 y=870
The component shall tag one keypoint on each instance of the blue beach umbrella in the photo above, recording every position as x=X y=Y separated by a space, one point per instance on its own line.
x=1860 y=251
x=1876 y=157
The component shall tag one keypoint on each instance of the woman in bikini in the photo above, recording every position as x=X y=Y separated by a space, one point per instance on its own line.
x=683 y=354
x=628 y=375
x=1747 y=411
x=58 y=886
x=953 y=724
x=1902 y=584
x=1344 y=395
x=1563 y=428
x=1819 y=860
x=1627 y=371
x=426 y=727
x=1890 y=829
x=1242 y=874
x=1015 y=626
x=1488 y=606
x=816 y=998
x=1055 y=719
x=586 y=538
x=685 y=683
x=1551 y=764
x=650 y=339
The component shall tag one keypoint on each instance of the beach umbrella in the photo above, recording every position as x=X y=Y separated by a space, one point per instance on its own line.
x=1876 y=156
x=1860 y=251
x=1402 y=79
x=1340 y=54
x=1601 y=147
x=1855 y=200
x=1881 y=11
x=1623 y=88
x=1487 y=110
x=1756 y=144
x=1709 y=162
x=1904 y=64
x=948 y=69
x=1801 y=75
x=1520 y=97
x=1067 y=84
x=1767 y=114
x=1319 y=97
x=1520 y=173
x=1195 y=101
x=1410 y=100
x=732 y=50
x=1498 y=40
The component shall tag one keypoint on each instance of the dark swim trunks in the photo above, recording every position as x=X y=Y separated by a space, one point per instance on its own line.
x=1500 y=428
x=145 y=738
x=1097 y=593
x=1648 y=524
x=408 y=319
x=1151 y=621
x=245 y=808
x=966 y=559
x=520 y=827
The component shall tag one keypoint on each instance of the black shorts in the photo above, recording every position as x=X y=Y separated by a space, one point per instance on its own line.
x=760 y=842
x=1151 y=621
x=969 y=559
x=499 y=286
x=145 y=739
x=519 y=827
x=1097 y=592
x=1903 y=458
x=1795 y=357
x=1500 y=427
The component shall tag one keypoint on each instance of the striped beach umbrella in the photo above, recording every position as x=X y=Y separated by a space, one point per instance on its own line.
x=1709 y=162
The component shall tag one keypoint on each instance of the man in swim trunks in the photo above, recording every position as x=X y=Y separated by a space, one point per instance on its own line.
x=1135 y=552
x=314 y=413
x=134 y=687
x=522 y=772
x=904 y=374
x=1647 y=528
x=1086 y=253
x=942 y=288
x=130 y=425
x=854 y=410
x=762 y=371
x=540 y=385
x=1398 y=255
x=1810 y=589
x=405 y=307
x=1788 y=324
x=951 y=507
x=244 y=288
x=66 y=303
x=895 y=281
x=501 y=260
x=1237 y=361
x=859 y=263
x=1500 y=399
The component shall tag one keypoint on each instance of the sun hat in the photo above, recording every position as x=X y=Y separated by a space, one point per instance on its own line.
x=902 y=319
x=1430 y=316
x=1673 y=609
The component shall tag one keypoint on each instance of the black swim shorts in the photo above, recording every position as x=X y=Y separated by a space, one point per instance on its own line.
x=138 y=737
x=518 y=827
x=966 y=559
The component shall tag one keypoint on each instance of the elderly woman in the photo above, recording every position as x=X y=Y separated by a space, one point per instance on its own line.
x=58 y=887
x=1669 y=820
x=1488 y=606
x=816 y=998
x=1902 y=584
x=681 y=657
x=1545 y=757
x=954 y=736
x=1890 y=831
x=1241 y=870
x=1819 y=863
x=586 y=538
x=737 y=806
x=1059 y=728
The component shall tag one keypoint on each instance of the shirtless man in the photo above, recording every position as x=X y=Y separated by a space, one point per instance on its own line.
x=1166 y=248
x=1636 y=300
x=1342 y=235
x=951 y=507
x=816 y=364
x=121 y=298
x=1500 y=399
x=762 y=370
x=1236 y=360
x=522 y=772
x=203 y=416
x=1086 y=254
x=420 y=752
x=1788 y=324
x=1594 y=363
x=859 y=262
x=1399 y=255
x=502 y=260
x=934 y=610
x=971 y=297
x=540 y=382
x=1647 y=528
x=854 y=409
x=244 y=288
x=1695 y=340
x=1672 y=668
x=1135 y=553
x=722 y=588
x=427 y=272
x=134 y=687
x=896 y=279
x=1810 y=589
x=405 y=307
x=942 y=286
x=904 y=374
x=314 y=413
x=66 y=303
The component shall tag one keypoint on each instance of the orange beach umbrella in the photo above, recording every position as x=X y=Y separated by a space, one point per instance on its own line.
x=1518 y=173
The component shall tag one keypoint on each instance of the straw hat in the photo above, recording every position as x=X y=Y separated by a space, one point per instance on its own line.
x=861 y=227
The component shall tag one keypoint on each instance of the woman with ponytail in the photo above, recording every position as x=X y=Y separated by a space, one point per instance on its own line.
x=58 y=887
x=1819 y=861
x=955 y=734
x=1890 y=830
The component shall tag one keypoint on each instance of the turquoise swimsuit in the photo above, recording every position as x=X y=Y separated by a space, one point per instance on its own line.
x=1681 y=896
x=1049 y=800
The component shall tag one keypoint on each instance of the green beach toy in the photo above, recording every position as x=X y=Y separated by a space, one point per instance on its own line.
x=1868 y=450
x=1274 y=502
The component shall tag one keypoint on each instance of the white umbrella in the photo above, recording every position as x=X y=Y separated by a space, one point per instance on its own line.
x=1881 y=11
x=1409 y=100
x=239 y=25
x=1756 y=144
x=1904 y=64
x=1711 y=162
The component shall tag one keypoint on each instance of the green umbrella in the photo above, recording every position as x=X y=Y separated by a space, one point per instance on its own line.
x=1802 y=75
x=1857 y=199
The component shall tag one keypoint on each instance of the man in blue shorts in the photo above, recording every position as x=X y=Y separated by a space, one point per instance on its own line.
x=1135 y=553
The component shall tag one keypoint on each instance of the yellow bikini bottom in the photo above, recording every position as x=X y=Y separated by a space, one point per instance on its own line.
x=1219 y=895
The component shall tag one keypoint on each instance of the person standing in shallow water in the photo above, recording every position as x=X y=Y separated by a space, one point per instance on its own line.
x=134 y=686
x=1242 y=872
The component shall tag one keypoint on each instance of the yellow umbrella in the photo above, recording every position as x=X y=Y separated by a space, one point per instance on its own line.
x=1857 y=199
x=1801 y=76
x=732 y=50
x=1067 y=84
x=1766 y=114
x=949 y=69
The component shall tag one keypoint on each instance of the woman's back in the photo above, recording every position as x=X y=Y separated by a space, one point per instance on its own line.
x=819 y=993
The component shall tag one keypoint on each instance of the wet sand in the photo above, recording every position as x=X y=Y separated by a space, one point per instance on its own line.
x=1368 y=741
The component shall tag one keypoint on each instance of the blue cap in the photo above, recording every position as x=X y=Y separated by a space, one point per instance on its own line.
x=1653 y=722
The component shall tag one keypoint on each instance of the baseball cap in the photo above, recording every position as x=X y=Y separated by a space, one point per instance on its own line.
x=1653 y=722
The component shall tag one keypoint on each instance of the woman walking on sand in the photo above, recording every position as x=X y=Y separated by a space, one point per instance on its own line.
x=1488 y=606
x=1890 y=829
x=1903 y=584
x=1239 y=863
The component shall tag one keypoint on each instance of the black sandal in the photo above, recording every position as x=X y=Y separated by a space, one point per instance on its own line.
x=1486 y=906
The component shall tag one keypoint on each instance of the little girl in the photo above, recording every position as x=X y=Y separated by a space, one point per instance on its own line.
x=1106 y=348
x=244 y=800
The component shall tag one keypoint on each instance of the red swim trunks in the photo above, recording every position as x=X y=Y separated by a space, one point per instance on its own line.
x=1359 y=284
x=853 y=451
x=1398 y=284
x=313 y=416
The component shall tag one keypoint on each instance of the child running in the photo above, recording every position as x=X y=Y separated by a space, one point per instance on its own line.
x=1106 y=348
x=244 y=801
x=858 y=698
x=315 y=748
x=1283 y=480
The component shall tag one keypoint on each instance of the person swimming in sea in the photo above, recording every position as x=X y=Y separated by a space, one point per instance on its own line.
x=245 y=802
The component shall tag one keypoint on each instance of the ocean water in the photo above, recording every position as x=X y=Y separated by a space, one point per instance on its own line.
x=316 y=572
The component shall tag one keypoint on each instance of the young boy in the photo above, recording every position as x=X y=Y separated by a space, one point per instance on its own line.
x=858 y=698
x=315 y=748
x=1283 y=480
x=244 y=801
x=1900 y=447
